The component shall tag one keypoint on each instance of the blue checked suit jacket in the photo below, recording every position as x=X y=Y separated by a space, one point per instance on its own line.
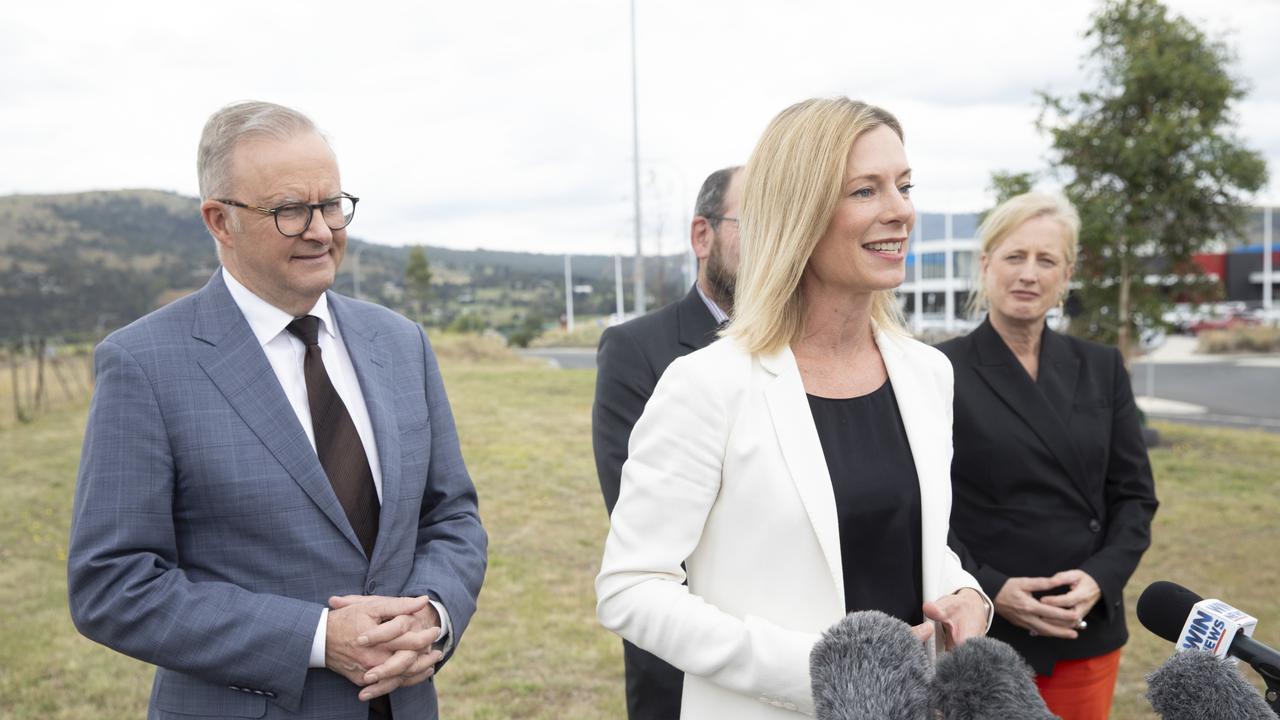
x=206 y=537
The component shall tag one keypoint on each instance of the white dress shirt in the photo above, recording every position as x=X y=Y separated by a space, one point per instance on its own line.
x=721 y=317
x=286 y=354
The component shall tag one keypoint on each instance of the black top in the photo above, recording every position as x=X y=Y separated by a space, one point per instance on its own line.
x=877 y=496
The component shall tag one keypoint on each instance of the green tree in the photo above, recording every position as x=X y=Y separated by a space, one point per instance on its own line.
x=1150 y=158
x=417 y=280
x=1005 y=185
x=1009 y=184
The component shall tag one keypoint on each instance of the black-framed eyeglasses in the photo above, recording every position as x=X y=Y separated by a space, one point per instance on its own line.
x=293 y=219
x=717 y=219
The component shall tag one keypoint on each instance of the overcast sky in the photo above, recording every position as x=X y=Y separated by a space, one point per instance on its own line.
x=507 y=125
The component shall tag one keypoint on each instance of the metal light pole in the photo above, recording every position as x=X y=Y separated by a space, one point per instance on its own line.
x=568 y=293
x=618 y=290
x=1266 y=258
x=635 y=168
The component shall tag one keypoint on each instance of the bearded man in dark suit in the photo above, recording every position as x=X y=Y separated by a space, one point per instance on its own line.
x=631 y=358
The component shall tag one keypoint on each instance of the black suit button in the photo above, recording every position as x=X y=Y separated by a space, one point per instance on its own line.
x=1095 y=526
x=370 y=587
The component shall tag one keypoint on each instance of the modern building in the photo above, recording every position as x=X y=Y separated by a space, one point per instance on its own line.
x=944 y=252
x=941 y=268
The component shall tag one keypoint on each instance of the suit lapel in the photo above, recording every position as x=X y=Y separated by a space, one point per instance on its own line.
x=1059 y=372
x=232 y=358
x=697 y=326
x=1045 y=409
x=802 y=452
x=918 y=404
x=373 y=368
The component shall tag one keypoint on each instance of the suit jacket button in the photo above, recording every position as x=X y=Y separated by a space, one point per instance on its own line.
x=1095 y=526
x=370 y=587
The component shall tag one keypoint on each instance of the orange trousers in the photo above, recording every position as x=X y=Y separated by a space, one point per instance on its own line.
x=1081 y=689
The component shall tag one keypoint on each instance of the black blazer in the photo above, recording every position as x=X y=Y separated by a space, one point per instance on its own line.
x=631 y=358
x=1049 y=475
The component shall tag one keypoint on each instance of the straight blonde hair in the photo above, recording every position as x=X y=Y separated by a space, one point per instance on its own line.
x=1009 y=216
x=791 y=186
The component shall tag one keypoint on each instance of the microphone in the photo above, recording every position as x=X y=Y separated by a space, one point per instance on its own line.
x=1197 y=685
x=1188 y=621
x=870 y=665
x=985 y=679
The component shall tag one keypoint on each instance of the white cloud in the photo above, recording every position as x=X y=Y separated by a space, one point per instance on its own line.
x=508 y=124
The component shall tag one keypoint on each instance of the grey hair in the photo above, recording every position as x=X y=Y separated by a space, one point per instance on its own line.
x=710 y=202
x=233 y=123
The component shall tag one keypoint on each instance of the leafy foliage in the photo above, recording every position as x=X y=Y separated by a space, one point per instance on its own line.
x=1154 y=167
x=417 y=279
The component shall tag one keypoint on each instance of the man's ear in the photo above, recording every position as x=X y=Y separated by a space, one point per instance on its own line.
x=701 y=236
x=217 y=219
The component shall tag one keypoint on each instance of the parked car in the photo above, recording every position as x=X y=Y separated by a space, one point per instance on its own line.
x=1223 y=322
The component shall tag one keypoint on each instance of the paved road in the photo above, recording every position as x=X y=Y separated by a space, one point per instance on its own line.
x=1237 y=392
x=567 y=358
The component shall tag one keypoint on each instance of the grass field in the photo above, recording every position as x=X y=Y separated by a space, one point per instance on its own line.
x=534 y=649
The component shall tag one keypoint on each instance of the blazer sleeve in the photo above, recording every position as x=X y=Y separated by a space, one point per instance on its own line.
x=452 y=547
x=125 y=588
x=624 y=382
x=669 y=487
x=1130 y=497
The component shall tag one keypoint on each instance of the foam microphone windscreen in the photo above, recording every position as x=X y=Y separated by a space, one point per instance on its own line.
x=985 y=679
x=870 y=665
x=1196 y=685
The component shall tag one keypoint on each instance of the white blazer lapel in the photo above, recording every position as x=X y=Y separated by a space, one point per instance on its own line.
x=920 y=402
x=802 y=451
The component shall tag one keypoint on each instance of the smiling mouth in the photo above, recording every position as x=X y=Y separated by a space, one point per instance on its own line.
x=886 y=246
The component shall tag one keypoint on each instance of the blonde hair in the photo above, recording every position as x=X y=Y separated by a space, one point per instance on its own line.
x=790 y=189
x=1009 y=216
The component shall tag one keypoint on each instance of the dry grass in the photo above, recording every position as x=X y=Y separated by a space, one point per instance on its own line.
x=586 y=334
x=534 y=649
x=68 y=383
x=1259 y=339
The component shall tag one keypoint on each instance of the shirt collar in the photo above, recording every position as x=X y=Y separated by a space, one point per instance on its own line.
x=720 y=315
x=266 y=320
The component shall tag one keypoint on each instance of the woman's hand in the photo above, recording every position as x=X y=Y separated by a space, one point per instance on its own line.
x=1082 y=595
x=961 y=616
x=1016 y=604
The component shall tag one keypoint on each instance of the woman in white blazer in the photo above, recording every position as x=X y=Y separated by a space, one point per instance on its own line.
x=729 y=473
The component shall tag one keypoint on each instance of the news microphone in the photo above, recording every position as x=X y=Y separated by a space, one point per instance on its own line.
x=1188 y=621
x=1197 y=685
x=1191 y=622
x=870 y=665
x=985 y=679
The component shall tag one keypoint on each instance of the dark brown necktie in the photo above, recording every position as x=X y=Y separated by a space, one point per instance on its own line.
x=337 y=442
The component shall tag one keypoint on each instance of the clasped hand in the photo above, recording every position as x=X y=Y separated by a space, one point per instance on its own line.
x=1055 y=616
x=382 y=643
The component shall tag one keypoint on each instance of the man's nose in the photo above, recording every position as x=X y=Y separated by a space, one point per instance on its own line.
x=317 y=230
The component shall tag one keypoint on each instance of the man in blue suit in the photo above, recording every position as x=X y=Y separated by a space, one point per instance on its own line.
x=272 y=506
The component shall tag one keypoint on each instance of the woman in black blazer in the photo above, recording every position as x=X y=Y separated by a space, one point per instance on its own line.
x=1053 y=494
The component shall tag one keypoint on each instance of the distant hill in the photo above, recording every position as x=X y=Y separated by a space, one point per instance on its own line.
x=83 y=264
